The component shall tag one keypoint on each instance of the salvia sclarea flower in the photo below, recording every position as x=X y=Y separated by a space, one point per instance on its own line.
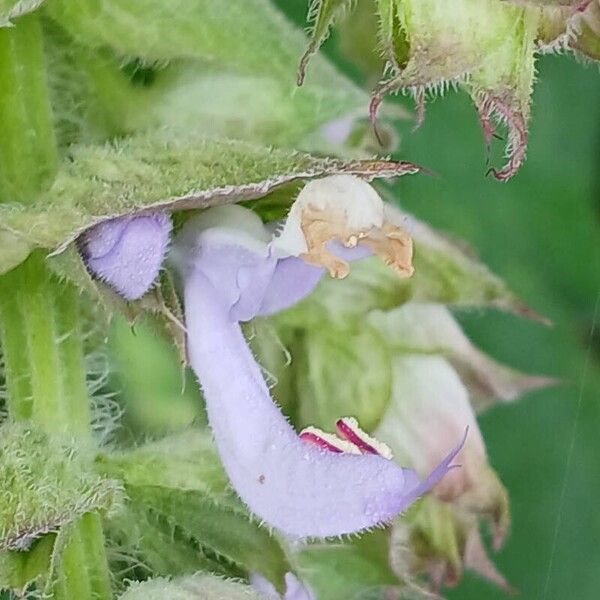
x=437 y=379
x=427 y=391
x=233 y=268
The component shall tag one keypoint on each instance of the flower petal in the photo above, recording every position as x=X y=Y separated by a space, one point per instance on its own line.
x=127 y=252
x=300 y=489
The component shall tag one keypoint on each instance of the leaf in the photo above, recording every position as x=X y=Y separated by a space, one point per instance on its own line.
x=352 y=569
x=208 y=30
x=185 y=461
x=46 y=484
x=95 y=99
x=12 y=9
x=179 y=492
x=20 y=570
x=444 y=274
x=199 y=79
x=221 y=531
x=451 y=274
x=258 y=108
x=274 y=348
x=159 y=171
x=143 y=543
x=392 y=36
x=14 y=249
x=197 y=587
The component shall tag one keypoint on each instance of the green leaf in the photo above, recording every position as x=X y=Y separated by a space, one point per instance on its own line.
x=179 y=493
x=161 y=171
x=243 y=57
x=342 y=373
x=144 y=543
x=91 y=95
x=12 y=9
x=185 y=461
x=161 y=397
x=449 y=273
x=14 y=249
x=353 y=569
x=219 y=530
x=259 y=108
x=275 y=348
x=254 y=37
x=198 y=587
x=393 y=37
x=94 y=98
x=445 y=273
x=20 y=570
x=46 y=484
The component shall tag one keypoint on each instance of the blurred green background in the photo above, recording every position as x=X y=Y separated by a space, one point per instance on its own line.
x=541 y=233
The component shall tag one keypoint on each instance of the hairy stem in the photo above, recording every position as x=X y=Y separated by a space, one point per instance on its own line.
x=43 y=351
x=27 y=148
x=45 y=379
x=40 y=329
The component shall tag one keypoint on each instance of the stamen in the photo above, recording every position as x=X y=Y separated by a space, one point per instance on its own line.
x=349 y=429
x=328 y=441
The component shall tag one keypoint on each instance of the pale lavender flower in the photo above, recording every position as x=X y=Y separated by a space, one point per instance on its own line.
x=127 y=252
x=311 y=485
x=233 y=269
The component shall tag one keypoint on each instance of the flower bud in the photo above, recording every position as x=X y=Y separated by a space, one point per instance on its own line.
x=127 y=252
x=441 y=541
x=429 y=405
x=486 y=47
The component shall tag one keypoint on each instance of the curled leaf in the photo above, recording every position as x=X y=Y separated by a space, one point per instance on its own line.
x=46 y=485
x=158 y=171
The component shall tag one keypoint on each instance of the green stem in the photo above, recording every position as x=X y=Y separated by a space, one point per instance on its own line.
x=45 y=378
x=43 y=350
x=40 y=329
x=27 y=148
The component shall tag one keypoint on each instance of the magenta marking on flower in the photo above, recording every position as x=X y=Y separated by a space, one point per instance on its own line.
x=302 y=489
x=127 y=252
x=349 y=430
x=318 y=440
